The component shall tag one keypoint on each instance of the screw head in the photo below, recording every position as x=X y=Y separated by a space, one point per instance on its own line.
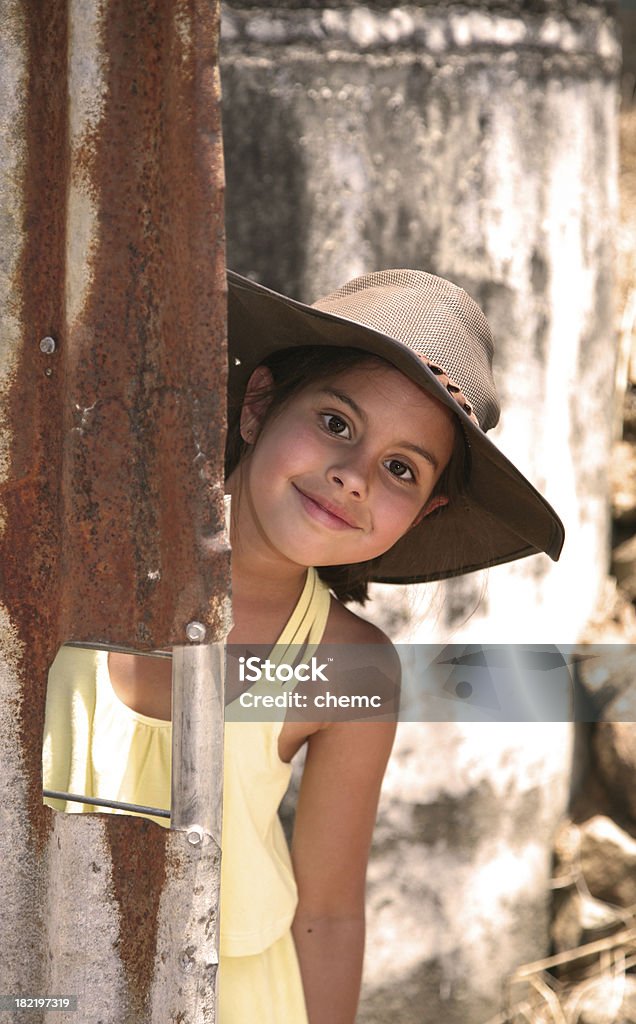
x=195 y=836
x=195 y=632
x=47 y=345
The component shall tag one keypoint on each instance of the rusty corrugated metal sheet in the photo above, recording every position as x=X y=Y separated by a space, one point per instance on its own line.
x=111 y=187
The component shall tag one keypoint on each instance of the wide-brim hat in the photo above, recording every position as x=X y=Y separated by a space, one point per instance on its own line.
x=433 y=332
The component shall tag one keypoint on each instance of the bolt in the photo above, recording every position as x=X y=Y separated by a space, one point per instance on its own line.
x=48 y=372
x=47 y=345
x=195 y=836
x=195 y=631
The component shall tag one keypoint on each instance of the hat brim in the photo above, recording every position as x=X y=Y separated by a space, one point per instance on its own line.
x=501 y=518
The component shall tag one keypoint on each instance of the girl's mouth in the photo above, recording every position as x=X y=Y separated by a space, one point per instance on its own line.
x=326 y=512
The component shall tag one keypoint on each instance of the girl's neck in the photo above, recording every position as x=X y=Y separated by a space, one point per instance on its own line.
x=263 y=597
x=266 y=586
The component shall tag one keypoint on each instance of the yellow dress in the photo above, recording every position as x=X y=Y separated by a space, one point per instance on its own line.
x=97 y=746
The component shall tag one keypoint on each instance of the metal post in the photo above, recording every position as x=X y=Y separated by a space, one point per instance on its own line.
x=197 y=740
x=112 y=384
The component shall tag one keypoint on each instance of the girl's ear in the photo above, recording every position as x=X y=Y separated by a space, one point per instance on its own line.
x=255 y=403
x=437 y=502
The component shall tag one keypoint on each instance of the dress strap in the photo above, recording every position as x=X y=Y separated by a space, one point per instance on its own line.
x=307 y=622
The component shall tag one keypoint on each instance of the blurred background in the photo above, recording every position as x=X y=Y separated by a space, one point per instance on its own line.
x=494 y=144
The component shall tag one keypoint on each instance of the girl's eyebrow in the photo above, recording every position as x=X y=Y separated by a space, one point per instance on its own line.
x=344 y=397
x=424 y=452
x=407 y=445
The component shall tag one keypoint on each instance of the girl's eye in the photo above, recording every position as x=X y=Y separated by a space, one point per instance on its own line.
x=400 y=470
x=336 y=425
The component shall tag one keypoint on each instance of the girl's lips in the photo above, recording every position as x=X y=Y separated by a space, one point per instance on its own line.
x=325 y=513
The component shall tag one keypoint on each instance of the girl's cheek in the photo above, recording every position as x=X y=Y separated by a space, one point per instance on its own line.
x=406 y=499
x=399 y=511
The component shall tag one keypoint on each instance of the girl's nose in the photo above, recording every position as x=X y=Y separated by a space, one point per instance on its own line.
x=351 y=479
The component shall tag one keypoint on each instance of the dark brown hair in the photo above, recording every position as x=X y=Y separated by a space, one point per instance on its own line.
x=295 y=369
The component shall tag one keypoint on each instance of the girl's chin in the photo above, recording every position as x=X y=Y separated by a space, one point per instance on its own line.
x=319 y=559
x=306 y=549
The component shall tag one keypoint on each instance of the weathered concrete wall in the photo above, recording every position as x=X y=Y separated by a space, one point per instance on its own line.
x=459 y=882
x=476 y=141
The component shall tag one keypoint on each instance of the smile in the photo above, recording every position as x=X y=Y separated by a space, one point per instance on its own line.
x=325 y=512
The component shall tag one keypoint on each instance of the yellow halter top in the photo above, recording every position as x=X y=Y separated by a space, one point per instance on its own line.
x=96 y=745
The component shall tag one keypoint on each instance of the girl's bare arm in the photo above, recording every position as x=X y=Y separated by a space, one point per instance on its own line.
x=334 y=824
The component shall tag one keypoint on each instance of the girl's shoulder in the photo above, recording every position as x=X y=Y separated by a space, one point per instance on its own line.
x=345 y=627
x=364 y=666
x=366 y=645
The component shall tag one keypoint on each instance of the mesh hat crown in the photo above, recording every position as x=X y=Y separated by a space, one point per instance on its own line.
x=436 y=320
x=435 y=334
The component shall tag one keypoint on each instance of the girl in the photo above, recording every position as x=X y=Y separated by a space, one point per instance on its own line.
x=356 y=452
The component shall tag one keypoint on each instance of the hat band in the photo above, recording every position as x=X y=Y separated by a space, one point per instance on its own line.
x=453 y=389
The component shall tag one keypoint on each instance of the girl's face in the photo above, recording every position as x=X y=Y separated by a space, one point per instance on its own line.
x=345 y=467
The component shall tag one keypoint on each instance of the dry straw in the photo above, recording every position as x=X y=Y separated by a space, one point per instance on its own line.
x=600 y=968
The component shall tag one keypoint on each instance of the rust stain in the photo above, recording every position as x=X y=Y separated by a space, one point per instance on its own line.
x=30 y=544
x=144 y=413
x=138 y=851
